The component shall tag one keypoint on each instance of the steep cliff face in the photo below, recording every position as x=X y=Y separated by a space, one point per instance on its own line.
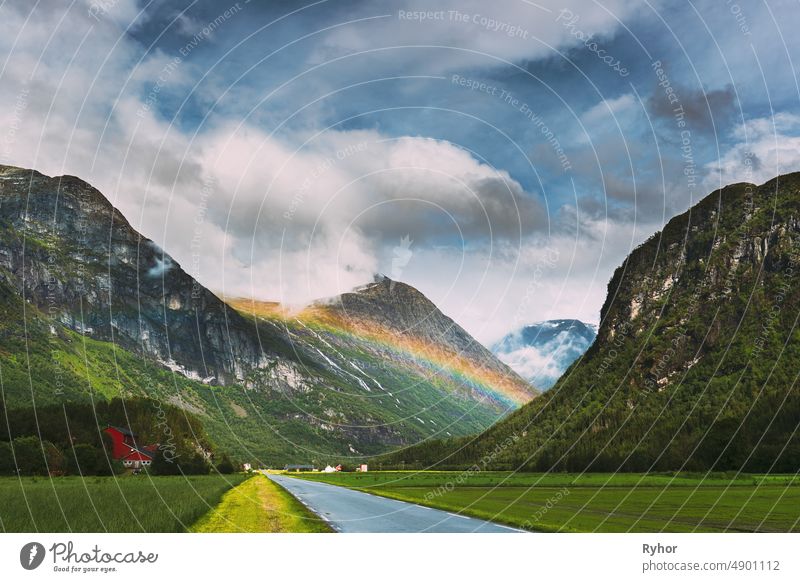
x=90 y=308
x=708 y=282
x=66 y=250
x=696 y=360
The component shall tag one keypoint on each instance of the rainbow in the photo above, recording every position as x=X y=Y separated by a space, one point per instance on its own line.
x=507 y=390
x=434 y=361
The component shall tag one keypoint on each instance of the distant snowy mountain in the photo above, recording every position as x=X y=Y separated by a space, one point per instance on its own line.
x=541 y=352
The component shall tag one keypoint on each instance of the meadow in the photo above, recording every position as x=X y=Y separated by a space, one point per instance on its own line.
x=597 y=502
x=130 y=503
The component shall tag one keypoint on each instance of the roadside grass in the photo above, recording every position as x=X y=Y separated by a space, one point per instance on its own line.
x=130 y=503
x=478 y=478
x=596 y=502
x=259 y=505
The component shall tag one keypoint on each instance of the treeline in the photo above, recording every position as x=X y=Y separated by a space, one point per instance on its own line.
x=734 y=423
x=69 y=439
x=730 y=429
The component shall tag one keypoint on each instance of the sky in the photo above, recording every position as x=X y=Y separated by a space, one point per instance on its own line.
x=504 y=158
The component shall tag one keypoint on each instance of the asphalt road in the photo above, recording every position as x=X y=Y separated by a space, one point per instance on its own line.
x=351 y=511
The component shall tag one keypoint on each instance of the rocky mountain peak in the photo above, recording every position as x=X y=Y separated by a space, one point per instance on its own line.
x=394 y=305
x=386 y=306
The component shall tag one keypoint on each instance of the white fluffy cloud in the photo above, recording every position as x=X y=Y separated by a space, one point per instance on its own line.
x=768 y=146
x=292 y=221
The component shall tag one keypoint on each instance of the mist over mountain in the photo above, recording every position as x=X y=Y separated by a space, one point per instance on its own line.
x=542 y=352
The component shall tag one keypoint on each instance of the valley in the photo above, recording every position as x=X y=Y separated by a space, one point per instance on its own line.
x=681 y=415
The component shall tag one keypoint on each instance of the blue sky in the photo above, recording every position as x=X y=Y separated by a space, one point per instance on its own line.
x=285 y=150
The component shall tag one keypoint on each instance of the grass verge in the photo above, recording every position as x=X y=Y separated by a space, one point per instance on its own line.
x=260 y=506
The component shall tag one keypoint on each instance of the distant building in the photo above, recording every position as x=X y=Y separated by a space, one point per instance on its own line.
x=328 y=469
x=338 y=468
x=362 y=467
x=299 y=468
x=126 y=449
x=247 y=467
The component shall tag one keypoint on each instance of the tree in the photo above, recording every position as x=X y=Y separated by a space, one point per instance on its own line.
x=55 y=461
x=30 y=460
x=7 y=466
x=85 y=460
x=164 y=465
x=225 y=466
x=194 y=464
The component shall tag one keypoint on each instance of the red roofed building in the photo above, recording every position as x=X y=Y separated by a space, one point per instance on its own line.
x=126 y=450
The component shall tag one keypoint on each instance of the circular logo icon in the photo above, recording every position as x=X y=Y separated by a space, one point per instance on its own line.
x=31 y=555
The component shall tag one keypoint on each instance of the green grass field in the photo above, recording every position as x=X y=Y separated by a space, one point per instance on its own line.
x=130 y=503
x=260 y=506
x=597 y=502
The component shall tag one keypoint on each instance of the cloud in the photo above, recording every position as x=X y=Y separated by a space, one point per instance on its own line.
x=469 y=29
x=541 y=360
x=704 y=110
x=161 y=267
x=346 y=198
x=541 y=366
x=767 y=147
x=623 y=173
x=361 y=180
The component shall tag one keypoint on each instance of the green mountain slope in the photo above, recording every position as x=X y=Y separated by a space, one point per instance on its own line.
x=696 y=361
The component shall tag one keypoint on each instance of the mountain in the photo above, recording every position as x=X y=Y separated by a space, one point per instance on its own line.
x=696 y=361
x=396 y=314
x=69 y=252
x=542 y=351
x=416 y=367
x=90 y=308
